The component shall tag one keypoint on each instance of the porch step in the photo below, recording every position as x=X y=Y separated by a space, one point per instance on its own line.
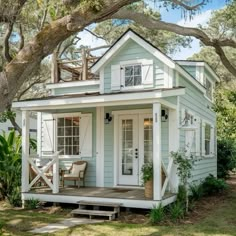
x=113 y=209
x=90 y=213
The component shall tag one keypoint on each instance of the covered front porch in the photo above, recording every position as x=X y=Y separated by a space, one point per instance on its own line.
x=106 y=160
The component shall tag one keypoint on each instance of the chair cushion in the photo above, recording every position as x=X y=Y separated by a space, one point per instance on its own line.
x=77 y=168
x=70 y=176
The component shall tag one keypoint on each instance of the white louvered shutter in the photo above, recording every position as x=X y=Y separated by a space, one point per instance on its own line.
x=86 y=135
x=48 y=135
x=115 y=77
x=198 y=137
x=212 y=141
x=147 y=72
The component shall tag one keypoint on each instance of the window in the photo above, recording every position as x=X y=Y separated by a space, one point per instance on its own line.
x=207 y=139
x=68 y=135
x=133 y=75
x=209 y=89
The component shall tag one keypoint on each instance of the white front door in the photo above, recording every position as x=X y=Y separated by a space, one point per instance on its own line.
x=135 y=147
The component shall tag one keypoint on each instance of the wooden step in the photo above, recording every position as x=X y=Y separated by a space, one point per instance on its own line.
x=90 y=213
x=105 y=204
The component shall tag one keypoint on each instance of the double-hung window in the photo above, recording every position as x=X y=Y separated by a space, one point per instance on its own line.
x=207 y=139
x=68 y=135
x=133 y=75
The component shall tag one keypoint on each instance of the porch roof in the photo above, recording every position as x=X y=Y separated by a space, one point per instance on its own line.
x=97 y=99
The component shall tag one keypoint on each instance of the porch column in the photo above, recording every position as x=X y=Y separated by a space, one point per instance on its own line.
x=25 y=152
x=157 y=151
x=173 y=146
x=100 y=147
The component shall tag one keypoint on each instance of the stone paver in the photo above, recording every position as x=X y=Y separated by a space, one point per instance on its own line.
x=64 y=225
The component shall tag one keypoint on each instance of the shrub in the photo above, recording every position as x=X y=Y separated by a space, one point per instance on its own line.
x=176 y=210
x=211 y=185
x=10 y=167
x=181 y=196
x=32 y=203
x=157 y=214
x=226 y=157
x=196 y=191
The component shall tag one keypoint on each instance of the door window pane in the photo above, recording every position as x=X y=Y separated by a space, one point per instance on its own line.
x=127 y=147
x=148 y=140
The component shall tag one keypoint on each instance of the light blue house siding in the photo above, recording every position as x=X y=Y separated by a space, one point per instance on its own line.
x=195 y=102
x=190 y=69
x=76 y=89
x=132 y=51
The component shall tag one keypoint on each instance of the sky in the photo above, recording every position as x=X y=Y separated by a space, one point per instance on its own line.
x=173 y=16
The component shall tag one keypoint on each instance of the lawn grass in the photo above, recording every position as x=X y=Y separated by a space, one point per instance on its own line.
x=219 y=221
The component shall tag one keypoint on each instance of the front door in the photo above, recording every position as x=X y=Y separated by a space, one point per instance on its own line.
x=135 y=147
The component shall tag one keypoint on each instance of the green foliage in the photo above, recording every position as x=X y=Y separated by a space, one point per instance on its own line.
x=10 y=167
x=176 y=211
x=147 y=172
x=168 y=42
x=4 y=116
x=157 y=214
x=32 y=203
x=181 y=196
x=184 y=166
x=196 y=191
x=226 y=157
x=212 y=185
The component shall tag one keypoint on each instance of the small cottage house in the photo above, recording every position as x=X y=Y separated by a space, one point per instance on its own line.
x=138 y=107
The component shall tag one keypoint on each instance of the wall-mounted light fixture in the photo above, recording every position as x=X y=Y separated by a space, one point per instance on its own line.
x=108 y=118
x=164 y=115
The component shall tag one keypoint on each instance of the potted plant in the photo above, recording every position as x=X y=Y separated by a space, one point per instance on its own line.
x=147 y=177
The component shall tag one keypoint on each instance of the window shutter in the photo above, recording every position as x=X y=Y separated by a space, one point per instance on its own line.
x=86 y=135
x=147 y=72
x=115 y=77
x=212 y=142
x=203 y=138
x=48 y=137
x=198 y=139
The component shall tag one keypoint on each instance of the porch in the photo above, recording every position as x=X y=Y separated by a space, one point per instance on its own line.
x=103 y=145
x=128 y=197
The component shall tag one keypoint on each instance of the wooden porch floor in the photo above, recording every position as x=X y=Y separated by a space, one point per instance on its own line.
x=116 y=193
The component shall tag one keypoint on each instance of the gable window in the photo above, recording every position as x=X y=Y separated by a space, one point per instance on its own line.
x=68 y=135
x=133 y=75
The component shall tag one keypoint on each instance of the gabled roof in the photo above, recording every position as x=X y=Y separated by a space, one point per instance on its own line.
x=130 y=34
x=121 y=41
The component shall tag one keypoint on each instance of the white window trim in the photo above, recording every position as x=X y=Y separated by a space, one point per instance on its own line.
x=62 y=115
x=212 y=139
x=212 y=91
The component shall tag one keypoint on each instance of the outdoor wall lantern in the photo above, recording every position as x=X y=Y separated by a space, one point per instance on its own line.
x=108 y=118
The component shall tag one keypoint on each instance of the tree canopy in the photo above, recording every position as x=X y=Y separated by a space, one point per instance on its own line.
x=50 y=22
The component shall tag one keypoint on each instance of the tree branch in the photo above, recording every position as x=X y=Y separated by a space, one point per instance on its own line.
x=152 y=23
x=43 y=44
x=91 y=32
x=6 y=48
x=22 y=38
x=188 y=7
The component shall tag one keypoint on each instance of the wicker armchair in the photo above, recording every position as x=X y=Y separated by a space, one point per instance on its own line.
x=76 y=173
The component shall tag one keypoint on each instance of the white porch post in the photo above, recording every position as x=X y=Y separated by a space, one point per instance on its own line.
x=100 y=147
x=157 y=186
x=173 y=145
x=56 y=174
x=39 y=133
x=25 y=152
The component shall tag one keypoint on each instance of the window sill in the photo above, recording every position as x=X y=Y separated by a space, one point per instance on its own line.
x=70 y=157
